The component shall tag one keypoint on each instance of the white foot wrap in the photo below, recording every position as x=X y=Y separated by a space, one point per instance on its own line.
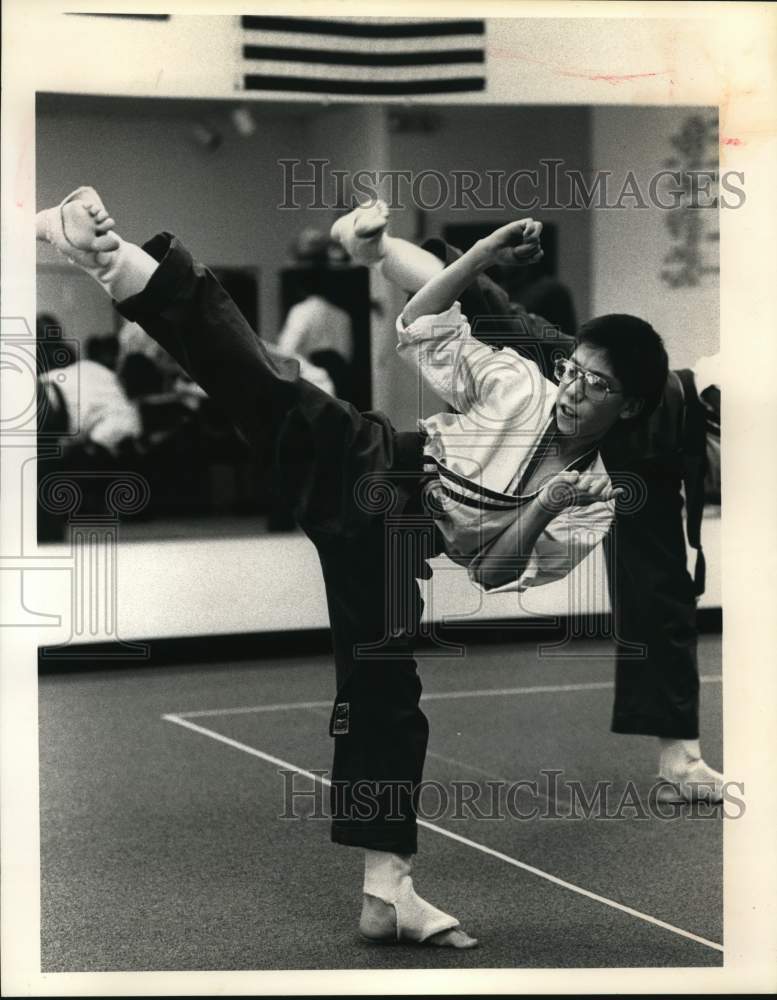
x=405 y=917
x=361 y=231
x=689 y=778
x=418 y=920
x=50 y=225
x=393 y=911
x=80 y=229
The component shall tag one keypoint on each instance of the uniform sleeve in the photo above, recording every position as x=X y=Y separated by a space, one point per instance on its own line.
x=562 y=546
x=466 y=373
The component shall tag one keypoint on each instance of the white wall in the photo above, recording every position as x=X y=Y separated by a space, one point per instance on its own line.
x=630 y=243
x=535 y=60
x=273 y=583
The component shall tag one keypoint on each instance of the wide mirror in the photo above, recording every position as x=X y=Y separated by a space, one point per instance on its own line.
x=254 y=190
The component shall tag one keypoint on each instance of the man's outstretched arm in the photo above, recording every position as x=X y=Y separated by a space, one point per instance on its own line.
x=544 y=529
x=517 y=241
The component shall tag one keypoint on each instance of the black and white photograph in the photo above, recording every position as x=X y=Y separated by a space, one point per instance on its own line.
x=388 y=575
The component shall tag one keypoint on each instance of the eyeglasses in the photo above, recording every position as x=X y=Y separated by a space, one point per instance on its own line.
x=596 y=388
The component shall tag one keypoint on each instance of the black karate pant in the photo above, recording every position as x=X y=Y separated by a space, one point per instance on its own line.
x=653 y=610
x=353 y=484
x=651 y=592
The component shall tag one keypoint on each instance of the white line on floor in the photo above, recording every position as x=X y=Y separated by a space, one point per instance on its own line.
x=243 y=746
x=474 y=769
x=435 y=696
x=646 y=917
x=248 y=709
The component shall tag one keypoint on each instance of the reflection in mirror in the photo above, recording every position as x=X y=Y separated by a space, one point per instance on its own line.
x=257 y=206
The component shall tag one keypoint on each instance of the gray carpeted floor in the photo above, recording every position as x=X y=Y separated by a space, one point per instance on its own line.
x=162 y=847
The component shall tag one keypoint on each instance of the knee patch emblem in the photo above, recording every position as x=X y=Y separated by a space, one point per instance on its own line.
x=341 y=719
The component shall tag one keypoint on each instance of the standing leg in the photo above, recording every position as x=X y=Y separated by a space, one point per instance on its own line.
x=380 y=731
x=654 y=605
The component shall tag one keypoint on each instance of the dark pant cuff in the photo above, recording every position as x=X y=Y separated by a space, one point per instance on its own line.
x=398 y=840
x=652 y=727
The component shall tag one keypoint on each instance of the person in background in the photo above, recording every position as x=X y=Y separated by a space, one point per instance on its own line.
x=184 y=437
x=315 y=328
x=87 y=427
x=95 y=407
x=144 y=367
x=104 y=349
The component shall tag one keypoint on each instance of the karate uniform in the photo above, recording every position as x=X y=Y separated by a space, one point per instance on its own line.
x=357 y=487
x=652 y=594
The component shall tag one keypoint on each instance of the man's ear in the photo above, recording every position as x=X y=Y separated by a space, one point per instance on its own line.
x=631 y=408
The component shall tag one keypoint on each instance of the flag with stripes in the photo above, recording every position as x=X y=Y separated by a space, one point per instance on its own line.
x=367 y=56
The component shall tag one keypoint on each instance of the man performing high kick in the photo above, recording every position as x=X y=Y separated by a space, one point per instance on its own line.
x=511 y=486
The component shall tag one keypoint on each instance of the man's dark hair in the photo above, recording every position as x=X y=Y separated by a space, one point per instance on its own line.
x=636 y=353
